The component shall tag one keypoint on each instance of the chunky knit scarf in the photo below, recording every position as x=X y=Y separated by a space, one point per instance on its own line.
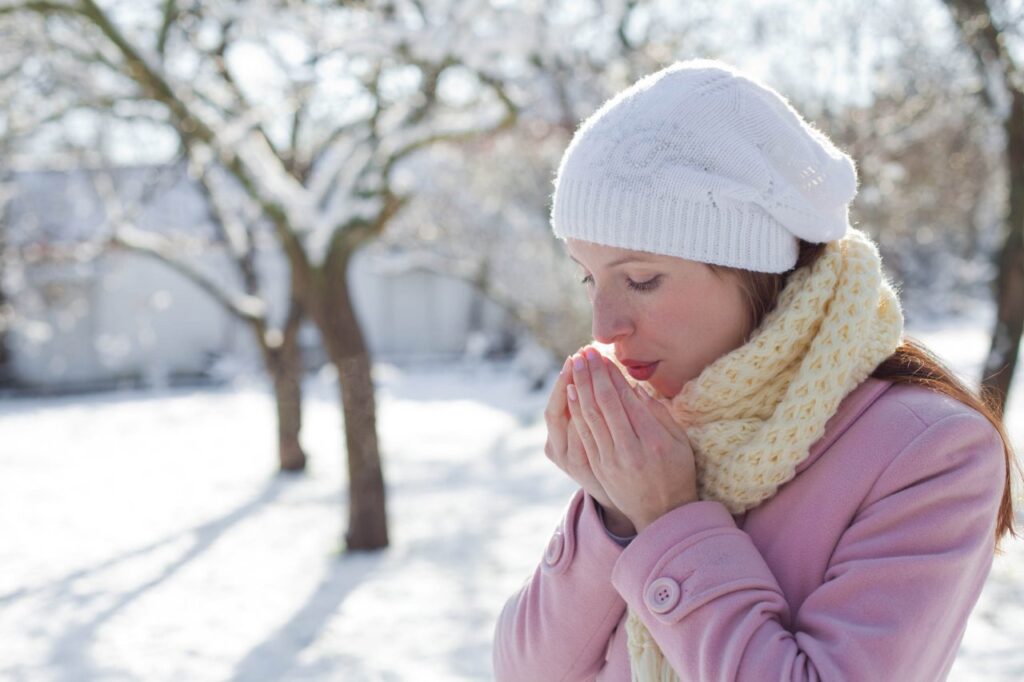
x=753 y=414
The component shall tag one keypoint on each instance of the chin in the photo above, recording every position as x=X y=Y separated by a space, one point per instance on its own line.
x=665 y=388
x=670 y=384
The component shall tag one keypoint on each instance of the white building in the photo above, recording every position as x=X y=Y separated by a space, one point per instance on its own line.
x=123 y=316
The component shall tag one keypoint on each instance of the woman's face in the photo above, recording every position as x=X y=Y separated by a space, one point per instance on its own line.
x=668 y=318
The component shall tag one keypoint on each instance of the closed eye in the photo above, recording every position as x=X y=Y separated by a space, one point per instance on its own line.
x=649 y=285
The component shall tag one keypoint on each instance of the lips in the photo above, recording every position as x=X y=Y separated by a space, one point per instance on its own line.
x=641 y=371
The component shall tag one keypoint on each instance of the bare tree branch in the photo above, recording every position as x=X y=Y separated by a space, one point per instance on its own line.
x=170 y=12
x=219 y=59
x=123 y=234
x=234 y=232
x=38 y=6
x=506 y=121
x=243 y=306
x=194 y=128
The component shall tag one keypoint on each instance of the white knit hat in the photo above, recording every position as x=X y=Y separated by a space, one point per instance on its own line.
x=702 y=162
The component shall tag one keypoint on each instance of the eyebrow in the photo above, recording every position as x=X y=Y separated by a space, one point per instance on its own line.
x=620 y=261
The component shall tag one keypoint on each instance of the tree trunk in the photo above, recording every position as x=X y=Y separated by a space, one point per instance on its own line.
x=367 y=508
x=347 y=350
x=1002 y=356
x=283 y=363
x=6 y=372
x=288 y=394
x=5 y=356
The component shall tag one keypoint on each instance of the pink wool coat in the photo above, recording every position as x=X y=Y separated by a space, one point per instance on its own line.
x=865 y=566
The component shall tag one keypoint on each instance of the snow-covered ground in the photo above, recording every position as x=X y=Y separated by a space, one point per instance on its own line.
x=145 y=536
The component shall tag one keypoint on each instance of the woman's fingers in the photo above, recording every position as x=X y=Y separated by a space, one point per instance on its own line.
x=579 y=424
x=664 y=415
x=609 y=400
x=556 y=406
x=556 y=416
x=645 y=424
x=639 y=417
x=587 y=405
x=642 y=409
x=575 y=450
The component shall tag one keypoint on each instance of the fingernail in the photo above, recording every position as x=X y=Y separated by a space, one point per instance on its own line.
x=578 y=363
x=565 y=365
x=571 y=392
x=593 y=356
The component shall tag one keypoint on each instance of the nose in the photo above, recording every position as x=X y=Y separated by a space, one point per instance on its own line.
x=610 y=318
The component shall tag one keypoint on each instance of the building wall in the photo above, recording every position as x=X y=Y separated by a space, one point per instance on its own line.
x=124 y=316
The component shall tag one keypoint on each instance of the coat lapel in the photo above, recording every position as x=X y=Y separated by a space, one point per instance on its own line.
x=852 y=406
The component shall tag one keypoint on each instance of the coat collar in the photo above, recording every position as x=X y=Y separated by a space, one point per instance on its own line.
x=851 y=407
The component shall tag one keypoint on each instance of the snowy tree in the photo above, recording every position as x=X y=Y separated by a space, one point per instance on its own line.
x=240 y=231
x=992 y=31
x=49 y=85
x=311 y=107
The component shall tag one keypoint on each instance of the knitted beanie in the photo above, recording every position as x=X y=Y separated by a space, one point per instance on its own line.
x=703 y=162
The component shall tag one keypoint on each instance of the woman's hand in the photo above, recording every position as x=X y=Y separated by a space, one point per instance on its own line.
x=639 y=455
x=565 y=449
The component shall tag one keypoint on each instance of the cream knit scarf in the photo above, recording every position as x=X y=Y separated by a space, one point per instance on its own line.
x=753 y=414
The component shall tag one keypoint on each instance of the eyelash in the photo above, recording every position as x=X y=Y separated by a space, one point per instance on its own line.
x=649 y=285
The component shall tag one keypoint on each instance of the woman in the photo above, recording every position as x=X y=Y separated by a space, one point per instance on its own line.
x=774 y=482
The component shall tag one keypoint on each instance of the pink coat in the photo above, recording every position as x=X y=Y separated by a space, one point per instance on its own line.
x=865 y=566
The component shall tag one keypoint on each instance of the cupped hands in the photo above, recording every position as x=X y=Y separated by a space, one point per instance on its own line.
x=638 y=453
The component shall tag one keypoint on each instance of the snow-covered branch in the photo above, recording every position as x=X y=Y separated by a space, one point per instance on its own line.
x=244 y=306
x=256 y=165
x=39 y=6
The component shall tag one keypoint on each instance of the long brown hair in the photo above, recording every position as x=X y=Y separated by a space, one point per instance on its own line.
x=911 y=363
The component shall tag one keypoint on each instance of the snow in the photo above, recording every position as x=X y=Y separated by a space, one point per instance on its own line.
x=146 y=536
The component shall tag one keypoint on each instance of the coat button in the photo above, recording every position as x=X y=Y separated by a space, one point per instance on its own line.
x=662 y=595
x=554 y=551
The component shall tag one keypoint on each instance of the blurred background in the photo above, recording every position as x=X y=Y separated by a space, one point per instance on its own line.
x=280 y=306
